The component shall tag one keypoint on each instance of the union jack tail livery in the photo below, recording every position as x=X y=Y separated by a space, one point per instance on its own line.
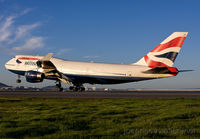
x=165 y=53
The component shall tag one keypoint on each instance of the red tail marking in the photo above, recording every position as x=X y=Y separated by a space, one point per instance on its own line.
x=177 y=42
x=173 y=70
x=152 y=63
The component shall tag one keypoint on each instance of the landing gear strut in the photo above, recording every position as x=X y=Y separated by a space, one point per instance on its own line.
x=77 y=88
x=18 y=79
x=59 y=86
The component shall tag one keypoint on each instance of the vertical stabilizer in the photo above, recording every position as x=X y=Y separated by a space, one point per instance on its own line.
x=165 y=53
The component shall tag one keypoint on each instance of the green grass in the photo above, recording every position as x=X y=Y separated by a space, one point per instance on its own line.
x=106 y=118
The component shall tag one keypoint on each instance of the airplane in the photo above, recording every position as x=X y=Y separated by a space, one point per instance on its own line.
x=158 y=63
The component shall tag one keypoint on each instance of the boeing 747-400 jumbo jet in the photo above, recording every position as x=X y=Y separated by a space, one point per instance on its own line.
x=158 y=63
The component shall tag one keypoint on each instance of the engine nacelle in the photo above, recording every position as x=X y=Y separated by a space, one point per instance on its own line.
x=34 y=76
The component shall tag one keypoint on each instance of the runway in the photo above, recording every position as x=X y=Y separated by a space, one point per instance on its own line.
x=112 y=94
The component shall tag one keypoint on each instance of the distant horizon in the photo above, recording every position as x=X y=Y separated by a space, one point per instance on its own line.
x=108 y=87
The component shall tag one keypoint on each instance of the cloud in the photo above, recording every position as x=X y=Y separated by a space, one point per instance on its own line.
x=63 y=51
x=31 y=44
x=5 y=28
x=90 y=57
x=15 y=39
x=22 y=31
x=27 y=10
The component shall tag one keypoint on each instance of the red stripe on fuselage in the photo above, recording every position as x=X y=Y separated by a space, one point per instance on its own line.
x=28 y=58
x=177 y=42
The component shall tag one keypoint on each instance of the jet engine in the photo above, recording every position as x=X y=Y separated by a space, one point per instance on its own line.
x=34 y=76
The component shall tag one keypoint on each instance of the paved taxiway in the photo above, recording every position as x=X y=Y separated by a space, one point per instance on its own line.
x=113 y=94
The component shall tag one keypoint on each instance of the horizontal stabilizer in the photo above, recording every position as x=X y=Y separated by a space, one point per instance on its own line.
x=185 y=70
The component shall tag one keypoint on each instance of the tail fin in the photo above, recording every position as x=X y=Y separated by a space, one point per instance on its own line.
x=165 y=53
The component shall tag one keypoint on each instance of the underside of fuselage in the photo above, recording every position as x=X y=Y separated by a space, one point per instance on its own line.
x=94 y=79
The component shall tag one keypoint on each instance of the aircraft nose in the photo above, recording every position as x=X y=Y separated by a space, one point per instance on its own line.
x=6 y=65
x=9 y=64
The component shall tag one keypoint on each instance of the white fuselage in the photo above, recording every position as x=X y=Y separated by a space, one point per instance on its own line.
x=86 y=72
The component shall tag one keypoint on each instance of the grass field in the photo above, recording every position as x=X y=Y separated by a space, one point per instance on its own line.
x=106 y=118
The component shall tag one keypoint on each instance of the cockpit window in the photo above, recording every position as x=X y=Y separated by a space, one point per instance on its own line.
x=18 y=61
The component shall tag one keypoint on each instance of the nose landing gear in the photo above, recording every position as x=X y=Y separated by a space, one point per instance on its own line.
x=18 y=79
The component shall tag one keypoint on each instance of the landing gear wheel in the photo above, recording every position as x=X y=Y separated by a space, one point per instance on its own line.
x=58 y=85
x=61 y=89
x=71 y=88
x=18 y=81
x=82 y=89
x=77 y=88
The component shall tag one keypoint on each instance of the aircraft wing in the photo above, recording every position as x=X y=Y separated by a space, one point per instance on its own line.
x=50 y=70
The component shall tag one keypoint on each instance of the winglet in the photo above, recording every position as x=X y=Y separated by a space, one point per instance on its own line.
x=47 y=57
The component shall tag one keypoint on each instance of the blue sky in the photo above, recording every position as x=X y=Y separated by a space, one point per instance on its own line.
x=102 y=31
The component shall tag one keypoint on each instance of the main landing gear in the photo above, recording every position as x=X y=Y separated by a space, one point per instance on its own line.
x=18 y=79
x=77 y=88
x=59 y=86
